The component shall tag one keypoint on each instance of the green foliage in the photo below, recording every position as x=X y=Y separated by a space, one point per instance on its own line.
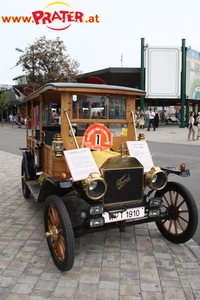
x=3 y=99
x=45 y=61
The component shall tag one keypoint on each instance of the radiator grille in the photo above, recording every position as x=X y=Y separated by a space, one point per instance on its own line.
x=124 y=186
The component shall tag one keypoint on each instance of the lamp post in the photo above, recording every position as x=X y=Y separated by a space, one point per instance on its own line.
x=183 y=87
x=142 y=74
x=19 y=50
x=32 y=50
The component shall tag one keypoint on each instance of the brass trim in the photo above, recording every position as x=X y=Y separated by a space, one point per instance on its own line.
x=53 y=233
x=71 y=128
x=123 y=203
x=149 y=176
x=134 y=127
x=86 y=183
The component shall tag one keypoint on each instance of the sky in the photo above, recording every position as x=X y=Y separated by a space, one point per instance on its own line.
x=117 y=33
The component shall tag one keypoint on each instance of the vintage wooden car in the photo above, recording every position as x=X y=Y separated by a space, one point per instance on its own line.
x=83 y=161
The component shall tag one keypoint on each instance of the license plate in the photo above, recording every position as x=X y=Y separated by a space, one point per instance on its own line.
x=129 y=214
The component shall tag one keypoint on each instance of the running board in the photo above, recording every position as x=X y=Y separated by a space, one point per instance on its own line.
x=34 y=188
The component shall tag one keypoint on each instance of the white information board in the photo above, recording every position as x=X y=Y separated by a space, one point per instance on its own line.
x=140 y=150
x=163 y=72
x=81 y=163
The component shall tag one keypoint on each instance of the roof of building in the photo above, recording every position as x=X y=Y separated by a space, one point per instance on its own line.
x=129 y=77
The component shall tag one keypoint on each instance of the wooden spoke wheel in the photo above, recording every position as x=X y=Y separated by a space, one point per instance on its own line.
x=25 y=190
x=181 y=213
x=59 y=233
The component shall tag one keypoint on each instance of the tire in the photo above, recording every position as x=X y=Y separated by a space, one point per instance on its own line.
x=25 y=190
x=182 y=215
x=59 y=233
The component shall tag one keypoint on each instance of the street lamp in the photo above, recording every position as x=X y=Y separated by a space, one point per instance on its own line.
x=184 y=100
x=32 y=50
x=19 y=50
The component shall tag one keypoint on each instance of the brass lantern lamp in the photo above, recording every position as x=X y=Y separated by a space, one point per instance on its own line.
x=57 y=145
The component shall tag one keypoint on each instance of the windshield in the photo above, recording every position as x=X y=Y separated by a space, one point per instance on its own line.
x=98 y=107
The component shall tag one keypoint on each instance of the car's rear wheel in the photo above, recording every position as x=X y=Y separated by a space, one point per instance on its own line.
x=59 y=233
x=181 y=213
x=25 y=190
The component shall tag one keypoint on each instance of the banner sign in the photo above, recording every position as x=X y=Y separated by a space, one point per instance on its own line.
x=163 y=72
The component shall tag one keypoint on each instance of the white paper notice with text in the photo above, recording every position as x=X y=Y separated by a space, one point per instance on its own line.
x=81 y=163
x=140 y=150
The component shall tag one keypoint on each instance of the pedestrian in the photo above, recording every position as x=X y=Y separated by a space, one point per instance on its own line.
x=19 y=121
x=146 y=118
x=141 y=119
x=156 y=119
x=10 y=118
x=151 y=120
x=137 y=116
x=198 y=126
x=191 y=126
x=179 y=116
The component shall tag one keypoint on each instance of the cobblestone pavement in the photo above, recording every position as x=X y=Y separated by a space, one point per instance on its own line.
x=138 y=264
x=170 y=133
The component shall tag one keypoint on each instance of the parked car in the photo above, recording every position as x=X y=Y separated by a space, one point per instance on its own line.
x=171 y=119
x=91 y=177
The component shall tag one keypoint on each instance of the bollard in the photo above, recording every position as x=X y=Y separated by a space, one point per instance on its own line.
x=141 y=137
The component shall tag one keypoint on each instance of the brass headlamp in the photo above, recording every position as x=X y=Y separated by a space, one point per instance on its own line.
x=95 y=186
x=57 y=145
x=156 y=178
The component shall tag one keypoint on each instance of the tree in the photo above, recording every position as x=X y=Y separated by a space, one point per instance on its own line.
x=3 y=101
x=44 y=61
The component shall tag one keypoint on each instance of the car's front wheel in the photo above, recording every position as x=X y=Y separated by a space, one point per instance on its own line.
x=181 y=213
x=59 y=233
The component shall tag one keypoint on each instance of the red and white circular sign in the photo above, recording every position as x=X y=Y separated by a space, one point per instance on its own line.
x=98 y=137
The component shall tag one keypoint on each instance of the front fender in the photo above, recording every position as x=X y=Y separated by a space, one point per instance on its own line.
x=54 y=186
x=177 y=171
x=28 y=161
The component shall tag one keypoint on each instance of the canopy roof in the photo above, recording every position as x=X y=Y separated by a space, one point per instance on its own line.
x=129 y=77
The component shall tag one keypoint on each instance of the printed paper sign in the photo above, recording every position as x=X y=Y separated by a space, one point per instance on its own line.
x=81 y=163
x=140 y=150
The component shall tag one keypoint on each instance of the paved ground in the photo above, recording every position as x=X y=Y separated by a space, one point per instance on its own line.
x=169 y=134
x=138 y=264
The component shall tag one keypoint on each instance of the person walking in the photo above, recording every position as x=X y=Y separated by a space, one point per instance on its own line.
x=146 y=118
x=151 y=120
x=191 y=126
x=198 y=126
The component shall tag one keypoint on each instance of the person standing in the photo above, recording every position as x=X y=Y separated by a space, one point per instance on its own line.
x=146 y=118
x=198 y=126
x=141 y=119
x=137 y=119
x=156 y=119
x=151 y=119
x=179 y=116
x=19 y=121
x=11 y=118
x=191 y=126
